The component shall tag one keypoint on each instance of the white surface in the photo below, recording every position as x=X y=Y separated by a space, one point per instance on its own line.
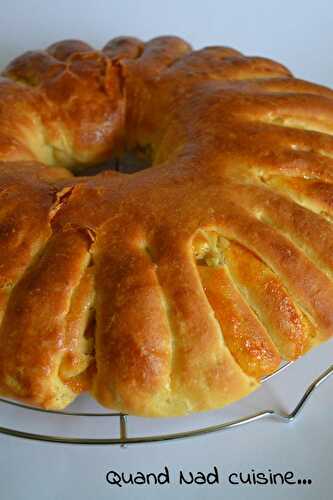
x=299 y=34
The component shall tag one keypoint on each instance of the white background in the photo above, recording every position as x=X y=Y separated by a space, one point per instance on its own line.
x=299 y=34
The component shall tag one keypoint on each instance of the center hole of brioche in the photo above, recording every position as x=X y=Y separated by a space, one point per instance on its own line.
x=127 y=163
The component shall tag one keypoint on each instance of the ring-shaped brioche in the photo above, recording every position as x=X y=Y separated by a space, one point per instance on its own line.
x=176 y=288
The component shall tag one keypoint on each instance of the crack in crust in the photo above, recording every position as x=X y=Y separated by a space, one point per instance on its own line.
x=176 y=288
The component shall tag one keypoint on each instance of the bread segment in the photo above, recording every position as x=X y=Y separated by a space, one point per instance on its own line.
x=33 y=332
x=244 y=335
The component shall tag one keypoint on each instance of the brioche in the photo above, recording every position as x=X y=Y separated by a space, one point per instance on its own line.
x=176 y=288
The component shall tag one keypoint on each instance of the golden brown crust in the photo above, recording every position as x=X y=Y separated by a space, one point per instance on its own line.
x=176 y=288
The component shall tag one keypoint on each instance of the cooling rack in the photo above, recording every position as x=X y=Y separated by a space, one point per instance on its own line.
x=126 y=438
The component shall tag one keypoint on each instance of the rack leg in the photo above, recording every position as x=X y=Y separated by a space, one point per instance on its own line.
x=123 y=430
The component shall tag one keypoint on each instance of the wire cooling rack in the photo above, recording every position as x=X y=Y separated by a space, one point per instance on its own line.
x=125 y=437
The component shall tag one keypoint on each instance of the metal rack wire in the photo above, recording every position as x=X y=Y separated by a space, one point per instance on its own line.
x=125 y=438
